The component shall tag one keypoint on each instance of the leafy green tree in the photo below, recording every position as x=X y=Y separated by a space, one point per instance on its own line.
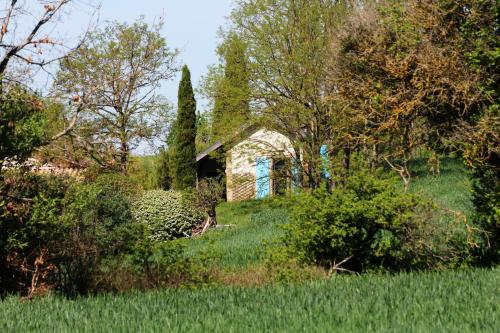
x=287 y=43
x=118 y=72
x=432 y=79
x=203 y=131
x=478 y=136
x=22 y=124
x=164 y=170
x=406 y=90
x=232 y=95
x=185 y=135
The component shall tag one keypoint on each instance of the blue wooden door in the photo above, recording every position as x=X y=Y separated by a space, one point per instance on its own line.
x=262 y=174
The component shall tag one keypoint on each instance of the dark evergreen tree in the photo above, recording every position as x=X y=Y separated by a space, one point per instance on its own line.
x=164 y=170
x=231 y=107
x=166 y=163
x=185 y=135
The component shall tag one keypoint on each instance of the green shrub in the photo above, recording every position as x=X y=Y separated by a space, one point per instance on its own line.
x=105 y=202
x=85 y=239
x=165 y=214
x=98 y=224
x=30 y=206
x=373 y=223
x=154 y=265
x=486 y=191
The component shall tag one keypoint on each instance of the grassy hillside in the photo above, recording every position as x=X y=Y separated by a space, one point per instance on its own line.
x=463 y=301
x=254 y=223
x=250 y=226
x=451 y=189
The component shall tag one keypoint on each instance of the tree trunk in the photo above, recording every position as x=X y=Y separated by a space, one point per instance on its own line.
x=403 y=171
x=123 y=158
x=211 y=221
x=212 y=216
x=374 y=161
x=347 y=158
x=406 y=176
x=332 y=181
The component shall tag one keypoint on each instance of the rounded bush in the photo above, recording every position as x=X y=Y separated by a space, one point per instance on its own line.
x=164 y=213
x=373 y=223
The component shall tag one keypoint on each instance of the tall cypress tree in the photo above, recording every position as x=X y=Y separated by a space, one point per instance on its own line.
x=185 y=135
x=231 y=107
x=166 y=162
x=163 y=169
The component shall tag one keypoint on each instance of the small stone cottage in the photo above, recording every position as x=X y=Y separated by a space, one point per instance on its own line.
x=257 y=163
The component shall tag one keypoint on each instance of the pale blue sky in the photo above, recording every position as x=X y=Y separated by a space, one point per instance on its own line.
x=190 y=26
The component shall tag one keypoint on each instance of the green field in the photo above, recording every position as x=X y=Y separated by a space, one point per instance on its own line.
x=450 y=301
x=464 y=301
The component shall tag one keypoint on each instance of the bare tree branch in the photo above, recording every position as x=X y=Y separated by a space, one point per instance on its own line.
x=5 y=24
x=50 y=11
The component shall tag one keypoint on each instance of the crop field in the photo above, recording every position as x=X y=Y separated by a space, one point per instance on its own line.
x=461 y=301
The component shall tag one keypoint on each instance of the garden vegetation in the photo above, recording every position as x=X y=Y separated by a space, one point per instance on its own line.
x=404 y=96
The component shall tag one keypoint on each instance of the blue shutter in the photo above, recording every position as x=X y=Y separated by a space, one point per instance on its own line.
x=262 y=174
x=295 y=174
x=325 y=161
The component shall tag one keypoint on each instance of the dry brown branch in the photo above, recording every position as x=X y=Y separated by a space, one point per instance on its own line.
x=337 y=267
x=6 y=21
x=13 y=50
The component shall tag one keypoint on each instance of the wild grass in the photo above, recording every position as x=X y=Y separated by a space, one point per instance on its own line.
x=451 y=301
x=451 y=189
x=249 y=227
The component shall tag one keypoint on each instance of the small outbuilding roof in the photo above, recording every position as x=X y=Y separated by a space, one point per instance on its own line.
x=245 y=132
x=207 y=151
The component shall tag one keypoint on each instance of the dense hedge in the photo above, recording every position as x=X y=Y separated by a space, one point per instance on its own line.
x=373 y=225
x=56 y=233
x=81 y=237
x=165 y=214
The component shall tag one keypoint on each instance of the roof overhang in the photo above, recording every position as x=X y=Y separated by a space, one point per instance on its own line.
x=246 y=132
x=207 y=151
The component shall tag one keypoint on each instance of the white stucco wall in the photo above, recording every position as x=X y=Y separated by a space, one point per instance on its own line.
x=259 y=144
